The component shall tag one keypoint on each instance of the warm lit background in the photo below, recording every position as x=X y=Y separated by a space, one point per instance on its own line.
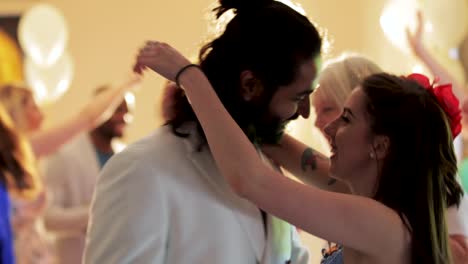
x=104 y=36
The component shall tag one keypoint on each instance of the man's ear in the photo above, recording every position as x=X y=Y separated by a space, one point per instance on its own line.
x=251 y=87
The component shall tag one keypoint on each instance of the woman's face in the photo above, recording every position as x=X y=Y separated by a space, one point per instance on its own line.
x=33 y=114
x=326 y=110
x=350 y=138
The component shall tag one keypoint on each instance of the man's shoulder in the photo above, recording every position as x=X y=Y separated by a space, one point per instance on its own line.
x=161 y=146
x=160 y=139
x=149 y=163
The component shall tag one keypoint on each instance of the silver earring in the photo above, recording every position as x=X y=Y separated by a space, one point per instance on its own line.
x=372 y=155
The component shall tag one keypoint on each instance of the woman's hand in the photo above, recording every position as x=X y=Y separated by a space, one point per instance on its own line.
x=33 y=209
x=103 y=105
x=161 y=58
x=26 y=212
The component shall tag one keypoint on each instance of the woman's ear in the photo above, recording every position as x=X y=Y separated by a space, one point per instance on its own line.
x=380 y=147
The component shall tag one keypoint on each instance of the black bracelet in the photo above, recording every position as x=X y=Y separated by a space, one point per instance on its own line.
x=182 y=71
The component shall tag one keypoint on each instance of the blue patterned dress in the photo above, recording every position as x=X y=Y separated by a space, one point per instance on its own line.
x=334 y=255
x=6 y=236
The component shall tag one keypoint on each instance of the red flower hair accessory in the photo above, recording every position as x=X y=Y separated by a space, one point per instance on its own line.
x=446 y=99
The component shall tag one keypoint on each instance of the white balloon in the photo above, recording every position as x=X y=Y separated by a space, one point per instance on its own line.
x=49 y=83
x=43 y=34
x=398 y=15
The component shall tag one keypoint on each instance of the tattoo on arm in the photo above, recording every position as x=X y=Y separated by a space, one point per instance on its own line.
x=308 y=159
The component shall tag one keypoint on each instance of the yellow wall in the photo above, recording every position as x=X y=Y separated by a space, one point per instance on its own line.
x=105 y=35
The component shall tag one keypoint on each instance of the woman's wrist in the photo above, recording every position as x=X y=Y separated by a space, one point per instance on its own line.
x=188 y=75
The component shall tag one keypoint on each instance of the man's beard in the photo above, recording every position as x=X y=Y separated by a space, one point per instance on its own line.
x=107 y=131
x=268 y=129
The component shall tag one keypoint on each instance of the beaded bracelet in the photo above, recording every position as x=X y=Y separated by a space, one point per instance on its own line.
x=182 y=71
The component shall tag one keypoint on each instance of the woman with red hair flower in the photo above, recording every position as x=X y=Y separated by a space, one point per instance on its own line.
x=392 y=145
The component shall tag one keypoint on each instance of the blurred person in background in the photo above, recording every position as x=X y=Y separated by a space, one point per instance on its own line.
x=71 y=174
x=18 y=179
x=27 y=117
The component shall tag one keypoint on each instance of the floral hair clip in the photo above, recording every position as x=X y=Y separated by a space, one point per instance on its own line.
x=446 y=99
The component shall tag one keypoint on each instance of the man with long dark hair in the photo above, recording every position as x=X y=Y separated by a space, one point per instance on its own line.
x=163 y=199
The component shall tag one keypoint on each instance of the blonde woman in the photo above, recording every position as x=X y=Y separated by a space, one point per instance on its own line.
x=18 y=178
x=336 y=81
x=27 y=117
